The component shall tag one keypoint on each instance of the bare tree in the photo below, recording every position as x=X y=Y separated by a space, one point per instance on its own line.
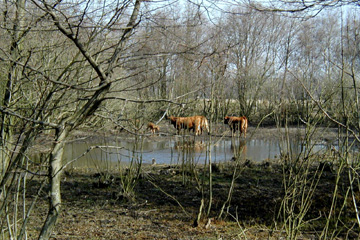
x=254 y=41
x=57 y=84
x=308 y=8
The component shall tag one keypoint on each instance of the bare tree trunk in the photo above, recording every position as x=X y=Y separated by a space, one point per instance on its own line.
x=6 y=126
x=79 y=116
x=55 y=179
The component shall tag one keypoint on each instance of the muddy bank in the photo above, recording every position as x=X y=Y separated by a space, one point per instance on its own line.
x=217 y=130
x=165 y=202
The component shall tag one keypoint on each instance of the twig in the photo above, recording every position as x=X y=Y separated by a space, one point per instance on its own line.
x=84 y=153
x=324 y=111
x=173 y=198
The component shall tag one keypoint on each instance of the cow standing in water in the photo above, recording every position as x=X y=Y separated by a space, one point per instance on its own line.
x=153 y=127
x=195 y=123
x=237 y=123
x=182 y=123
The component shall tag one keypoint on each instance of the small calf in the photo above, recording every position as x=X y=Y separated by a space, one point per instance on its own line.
x=153 y=127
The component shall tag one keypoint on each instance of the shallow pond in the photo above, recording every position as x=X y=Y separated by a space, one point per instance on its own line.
x=175 y=150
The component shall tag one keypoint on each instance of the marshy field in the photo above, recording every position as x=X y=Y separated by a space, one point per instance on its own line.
x=139 y=195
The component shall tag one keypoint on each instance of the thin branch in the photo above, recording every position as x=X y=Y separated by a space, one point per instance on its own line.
x=141 y=101
x=170 y=196
x=79 y=45
x=84 y=153
x=323 y=110
x=12 y=113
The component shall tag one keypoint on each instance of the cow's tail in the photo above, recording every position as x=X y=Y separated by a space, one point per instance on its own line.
x=244 y=126
x=206 y=125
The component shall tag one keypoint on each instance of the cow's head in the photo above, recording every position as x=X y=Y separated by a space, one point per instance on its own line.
x=226 y=120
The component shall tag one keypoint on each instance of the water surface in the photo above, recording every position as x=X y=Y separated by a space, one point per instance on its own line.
x=174 y=150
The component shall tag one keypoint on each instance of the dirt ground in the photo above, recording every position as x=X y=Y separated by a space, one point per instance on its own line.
x=165 y=201
x=163 y=206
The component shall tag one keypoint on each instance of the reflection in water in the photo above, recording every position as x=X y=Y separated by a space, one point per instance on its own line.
x=238 y=148
x=190 y=145
x=170 y=150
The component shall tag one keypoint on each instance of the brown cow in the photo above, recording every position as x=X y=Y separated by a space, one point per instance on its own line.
x=195 y=123
x=237 y=123
x=183 y=123
x=201 y=123
x=153 y=127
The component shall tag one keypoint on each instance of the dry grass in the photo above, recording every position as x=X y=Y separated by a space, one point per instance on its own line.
x=95 y=210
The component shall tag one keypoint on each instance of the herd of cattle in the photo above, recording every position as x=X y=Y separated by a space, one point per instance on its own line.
x=199 y=123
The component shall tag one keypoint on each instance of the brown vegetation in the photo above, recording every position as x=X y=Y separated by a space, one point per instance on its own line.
x=96 y=210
